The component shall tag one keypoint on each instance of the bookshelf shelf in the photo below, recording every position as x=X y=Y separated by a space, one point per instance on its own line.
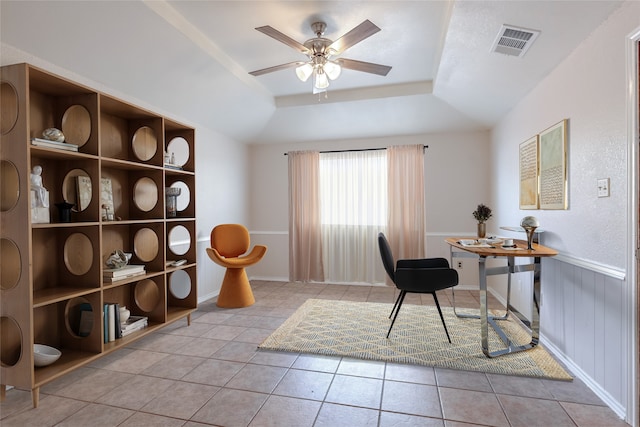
x=53 y=271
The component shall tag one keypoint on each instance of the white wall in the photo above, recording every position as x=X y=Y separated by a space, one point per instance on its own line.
x=457 y=171
x=592 y=236
x=222 y=185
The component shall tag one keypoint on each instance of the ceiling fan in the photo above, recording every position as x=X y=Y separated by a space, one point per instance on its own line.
x=321 y=52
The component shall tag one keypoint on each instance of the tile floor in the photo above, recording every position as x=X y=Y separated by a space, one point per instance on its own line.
x=211 y=373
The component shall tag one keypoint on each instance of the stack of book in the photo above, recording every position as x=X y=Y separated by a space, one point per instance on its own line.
x=133 y=323
x=54 y=144
x=115 y=274
x=114 y=329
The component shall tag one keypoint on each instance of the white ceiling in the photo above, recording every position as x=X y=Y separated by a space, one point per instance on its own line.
x=192 y=58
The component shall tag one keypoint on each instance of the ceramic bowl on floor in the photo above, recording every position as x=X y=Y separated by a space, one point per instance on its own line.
x=44 y=355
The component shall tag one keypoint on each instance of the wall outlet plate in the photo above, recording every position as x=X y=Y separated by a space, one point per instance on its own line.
x=603 y=187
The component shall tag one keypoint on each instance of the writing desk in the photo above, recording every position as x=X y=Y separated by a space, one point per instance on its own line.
x=458 y=250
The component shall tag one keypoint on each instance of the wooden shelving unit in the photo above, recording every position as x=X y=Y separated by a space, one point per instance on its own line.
x=49 y=270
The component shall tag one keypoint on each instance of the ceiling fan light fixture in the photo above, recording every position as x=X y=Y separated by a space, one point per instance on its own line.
x=320 y=79
x=304 y=72
x=332 y=69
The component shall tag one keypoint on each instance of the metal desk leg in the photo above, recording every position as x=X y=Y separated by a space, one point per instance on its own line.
x=510 y=268
x=484 y=315
x=488 y=320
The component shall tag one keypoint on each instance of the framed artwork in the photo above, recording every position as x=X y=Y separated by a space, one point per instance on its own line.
x=106 y=199
x=553 y=167
x=83 y=187
x=529 y=174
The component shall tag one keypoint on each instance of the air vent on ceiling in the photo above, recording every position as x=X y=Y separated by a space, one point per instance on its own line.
x=514 y=41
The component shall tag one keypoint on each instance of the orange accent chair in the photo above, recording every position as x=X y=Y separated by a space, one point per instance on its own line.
x=229 y=242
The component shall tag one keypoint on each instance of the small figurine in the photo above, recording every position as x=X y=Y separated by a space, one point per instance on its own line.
x=42 y=195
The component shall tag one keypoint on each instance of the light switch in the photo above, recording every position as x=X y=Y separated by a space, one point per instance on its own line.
x=603 y=187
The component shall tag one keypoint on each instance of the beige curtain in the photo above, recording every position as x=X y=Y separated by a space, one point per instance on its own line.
x=305 y=241
x=406 y=224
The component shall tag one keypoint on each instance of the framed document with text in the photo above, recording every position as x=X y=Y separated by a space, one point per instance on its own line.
x=553 y=167
x=529 y=174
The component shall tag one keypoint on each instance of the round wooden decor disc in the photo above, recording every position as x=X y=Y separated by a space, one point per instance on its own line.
x=9 y=263
x=9 y=185
x=78 y=254
x=144 y=143
x=145 y=194
x=76 y=125
x=147 y=295
x=11 y=341
x=145 y=244
x=9 y=100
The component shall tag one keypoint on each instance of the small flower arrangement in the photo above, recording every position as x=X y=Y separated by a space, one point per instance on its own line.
x=482 y=213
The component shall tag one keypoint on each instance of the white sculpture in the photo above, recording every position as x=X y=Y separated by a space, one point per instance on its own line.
x=42 y=195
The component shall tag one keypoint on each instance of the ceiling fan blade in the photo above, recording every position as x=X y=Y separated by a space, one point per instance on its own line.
x=367 y=67
x=277 y=68
x=272 y=32
x=356 y=35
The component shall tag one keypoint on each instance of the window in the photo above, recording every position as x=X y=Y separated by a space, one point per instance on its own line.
x=353 y=205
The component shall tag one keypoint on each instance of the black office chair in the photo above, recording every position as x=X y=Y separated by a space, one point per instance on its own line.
x=422 y=276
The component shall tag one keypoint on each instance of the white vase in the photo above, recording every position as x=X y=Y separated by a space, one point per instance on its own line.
x=124 y=314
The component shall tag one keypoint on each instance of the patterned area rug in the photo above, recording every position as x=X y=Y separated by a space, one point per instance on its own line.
x=358 y=329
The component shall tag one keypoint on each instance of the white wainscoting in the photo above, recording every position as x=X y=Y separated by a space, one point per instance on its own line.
x=585 y=316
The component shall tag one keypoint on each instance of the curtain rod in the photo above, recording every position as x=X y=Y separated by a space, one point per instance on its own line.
x=357 y=149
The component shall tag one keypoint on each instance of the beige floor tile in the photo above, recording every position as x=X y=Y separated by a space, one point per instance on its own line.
x=280 y=411
x=410 y=373
x=519 y=386
x=201 y=347
x=213 y=372
x=462 y=379
x=332 y=415
x=319 y=363
x=231 y=408
x=136 y=393
x=413 y=399
x=216 y=318
x=135 y=362
x=245 y=320
x=236 y=351
x=66 y=380
x=50 y=411
x=94 y=385
x=391 y=419
x=572 y=391
x=163 y=343
x=472 y=407
x=196 y=329
x=304 y=384
x=224 y=332
x=182 y=400
x=355 y=391
x=361 y=368
x=592 y=415
x=97 y=415
x=258 y=378
x=140 y=419
x=174 y=366
x=254 y=335
x=16 y=401
x=274 y=358
x=527 y=412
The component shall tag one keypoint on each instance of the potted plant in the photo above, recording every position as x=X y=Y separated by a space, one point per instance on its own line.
x=482 y=214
